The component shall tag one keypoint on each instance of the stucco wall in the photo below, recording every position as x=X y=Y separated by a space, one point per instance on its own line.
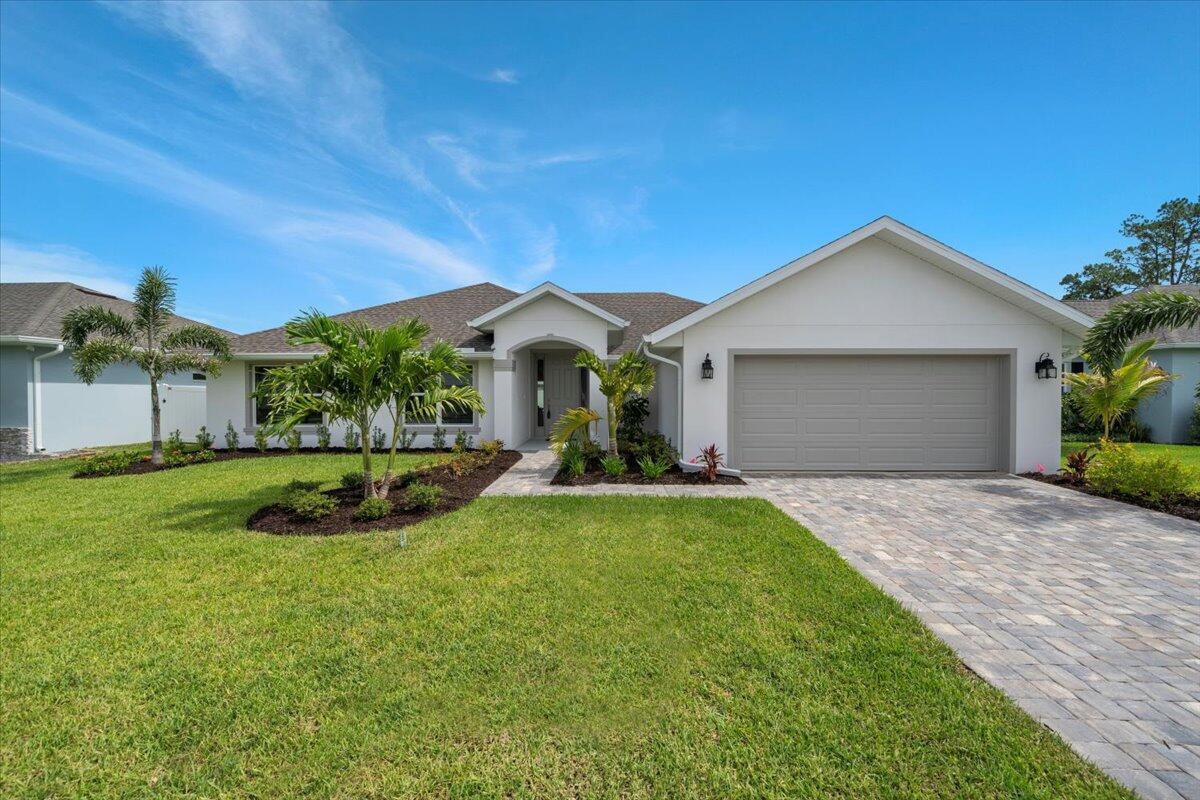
x=16 y=372
x=874 y=297
x=1169 y=413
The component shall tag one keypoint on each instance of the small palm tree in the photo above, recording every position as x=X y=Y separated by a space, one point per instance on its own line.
x=631 y=374
x=572 y=422
x=1135 y=317
x=152 y=339
x=1106 y=397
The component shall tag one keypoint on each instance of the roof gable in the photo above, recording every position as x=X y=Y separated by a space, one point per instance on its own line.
x=918 y=244
x=487 y=320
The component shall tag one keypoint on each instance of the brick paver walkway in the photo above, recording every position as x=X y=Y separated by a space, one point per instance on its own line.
x=1085 y=611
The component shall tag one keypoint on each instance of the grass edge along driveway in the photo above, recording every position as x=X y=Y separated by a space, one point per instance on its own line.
x=526 y=647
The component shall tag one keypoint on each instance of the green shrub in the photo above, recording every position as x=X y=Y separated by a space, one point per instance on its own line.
x=378 y=439
x=106 y=464
x=260 y=439
x=293 y=440
x=491 y=447
x=463 y=442
x=177 y=458
x=439 y=438
x=309 y=504
x=422 y=496
x=1158 y=479
x=352 y=479
x=572 y=460
x=654 y=446
x=633 y=418
x=652 y=468
x=373 y=508
x=1194 y=429
x=204 y=438
x=613 y=466
x=353 y=440
x=174 y=441
x=407 y=438
x=232 y=440
x=322 y=437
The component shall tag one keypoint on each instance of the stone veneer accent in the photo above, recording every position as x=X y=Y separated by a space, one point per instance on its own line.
x=14 y=441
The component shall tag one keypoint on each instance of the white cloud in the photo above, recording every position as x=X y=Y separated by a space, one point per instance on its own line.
x=606 y=217
x=499 y=75
x=472 y=167
x=541 y=255
x=37 y=263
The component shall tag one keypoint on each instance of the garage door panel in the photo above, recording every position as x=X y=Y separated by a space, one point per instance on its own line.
x=867 y=412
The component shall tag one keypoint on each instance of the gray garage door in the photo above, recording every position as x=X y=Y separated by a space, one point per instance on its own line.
x=867 y=413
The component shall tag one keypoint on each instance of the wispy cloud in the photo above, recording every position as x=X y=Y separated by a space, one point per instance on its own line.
x=22 y=262
x=499 y=75
x=53 y=134
x=606 y=217
x=473 y=168
x=541 y=256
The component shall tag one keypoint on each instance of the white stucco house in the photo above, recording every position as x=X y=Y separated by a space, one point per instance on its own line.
x=883 y=350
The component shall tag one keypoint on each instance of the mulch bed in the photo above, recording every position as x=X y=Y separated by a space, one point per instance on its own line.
x=1188 y=508
x=672 y=477
x=457 y=492
x=142 y=467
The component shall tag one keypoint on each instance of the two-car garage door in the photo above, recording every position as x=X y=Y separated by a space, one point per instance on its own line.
x=867 y=412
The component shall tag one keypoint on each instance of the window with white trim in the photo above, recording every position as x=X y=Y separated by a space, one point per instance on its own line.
x=452 y=416
x=259 y=404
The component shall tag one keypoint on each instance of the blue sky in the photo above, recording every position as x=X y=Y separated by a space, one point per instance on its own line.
x=279 y=157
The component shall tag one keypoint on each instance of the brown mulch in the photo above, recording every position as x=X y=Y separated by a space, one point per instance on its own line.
x=673 y=477
x=457 y=492
x=141 y=467
x=1188 y=507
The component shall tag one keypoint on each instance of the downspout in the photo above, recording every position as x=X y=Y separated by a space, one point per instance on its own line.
x=678 y=390
x=37 y=396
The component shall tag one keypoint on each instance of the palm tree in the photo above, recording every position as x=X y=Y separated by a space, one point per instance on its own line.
x=1106 y=397
x=572 y=422
x=1141 y=314
x=631 y=374
x=153 y=340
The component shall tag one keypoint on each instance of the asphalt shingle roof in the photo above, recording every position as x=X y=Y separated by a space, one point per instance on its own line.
x=447 y=313
x=37 y=309
x=1186 y=335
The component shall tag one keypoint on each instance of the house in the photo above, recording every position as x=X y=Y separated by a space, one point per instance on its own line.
x=1168 y=414
x=882 y=350
x=44 y=407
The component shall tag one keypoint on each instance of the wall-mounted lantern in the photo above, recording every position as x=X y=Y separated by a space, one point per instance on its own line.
x=1045 y=367
x=706 y=368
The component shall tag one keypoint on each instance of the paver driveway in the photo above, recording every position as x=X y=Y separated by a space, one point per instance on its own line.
x=1085 y=611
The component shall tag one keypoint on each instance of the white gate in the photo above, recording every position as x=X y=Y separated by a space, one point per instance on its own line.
x=183 y=407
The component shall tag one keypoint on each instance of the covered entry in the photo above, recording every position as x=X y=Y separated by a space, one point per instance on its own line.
x=869 y=412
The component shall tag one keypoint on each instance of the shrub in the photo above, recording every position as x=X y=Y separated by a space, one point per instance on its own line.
x=378 y=439
x=654 y=446
x=352 y=480
x=466 y=463
x=373 y=508
x=322 y=437
x=310 y=504
x=572 y=460
x=592 y=452
x=711 y=460
x=293 y=440
x=439 y=438
x=177 y=458
x=260 y=439
x=613 y=466
x=633 y=419
x=407 y=438
x=651 y=468
x=491 y=447
x=1078 y=463
x=1194 y=429
x=353 y=440
x=232 y=440
x=1136 y=430
x=174 y=441
x=1160 y=479
x=106 y=464
x=204 y=438
x=463 y=441
x=422 y=496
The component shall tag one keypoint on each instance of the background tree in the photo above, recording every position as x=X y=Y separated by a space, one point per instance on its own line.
x=1105 y=397
x=631 y=374
x=152 y=339
x=1166 y=251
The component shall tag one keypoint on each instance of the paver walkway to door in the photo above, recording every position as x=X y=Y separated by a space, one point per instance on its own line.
x=1085 y=611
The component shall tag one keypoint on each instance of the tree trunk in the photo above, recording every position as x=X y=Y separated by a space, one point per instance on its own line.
x=368 y=479
x=612 y=429
x=156 y=450
x=388 y=474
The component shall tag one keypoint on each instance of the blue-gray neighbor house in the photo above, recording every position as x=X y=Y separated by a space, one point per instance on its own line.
x=44 y=407
x=1168 y=414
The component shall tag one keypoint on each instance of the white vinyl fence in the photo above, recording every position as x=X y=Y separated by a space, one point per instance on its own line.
x=183 y=407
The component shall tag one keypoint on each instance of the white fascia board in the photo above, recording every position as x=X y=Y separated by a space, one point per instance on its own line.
x=484 y=321
x=42 y=341
x=913 y=241
x=294 y=356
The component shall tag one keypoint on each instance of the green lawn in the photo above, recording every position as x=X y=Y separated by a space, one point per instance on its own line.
x=548 y=647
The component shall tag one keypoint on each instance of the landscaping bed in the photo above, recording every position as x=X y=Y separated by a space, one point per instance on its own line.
x=456 y=491
x=141 y=464
x=672 y=477
x=1186 y=507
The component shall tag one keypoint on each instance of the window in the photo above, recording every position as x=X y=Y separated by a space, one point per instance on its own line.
x=448 y=416
x=260 y=404
x=199 y=376
x=1076 y=367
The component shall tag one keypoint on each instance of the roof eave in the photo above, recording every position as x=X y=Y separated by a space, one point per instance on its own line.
x=484 y=321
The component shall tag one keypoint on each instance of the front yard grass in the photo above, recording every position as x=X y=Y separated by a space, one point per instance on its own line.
x=525 y=647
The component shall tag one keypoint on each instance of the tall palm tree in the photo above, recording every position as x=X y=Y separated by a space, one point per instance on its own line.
x=630 y=374
x=1138 y=315
x=1106 y=397
x=152 y=339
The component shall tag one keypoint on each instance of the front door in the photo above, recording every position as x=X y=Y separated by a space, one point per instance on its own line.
x=558 y=386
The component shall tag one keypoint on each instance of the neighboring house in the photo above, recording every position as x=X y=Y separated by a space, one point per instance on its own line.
x=44 y=407
x=883 y=350
x=1168 y=414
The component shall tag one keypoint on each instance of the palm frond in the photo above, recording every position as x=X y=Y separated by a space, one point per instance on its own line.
x=154 y=301
x=91 y=359
x=198 y=337
x=1139 y=315
x=80 y=323
x=572 y=422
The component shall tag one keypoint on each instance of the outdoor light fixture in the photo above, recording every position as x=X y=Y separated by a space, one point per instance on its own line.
x=1045 y=367
x=706 y=368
